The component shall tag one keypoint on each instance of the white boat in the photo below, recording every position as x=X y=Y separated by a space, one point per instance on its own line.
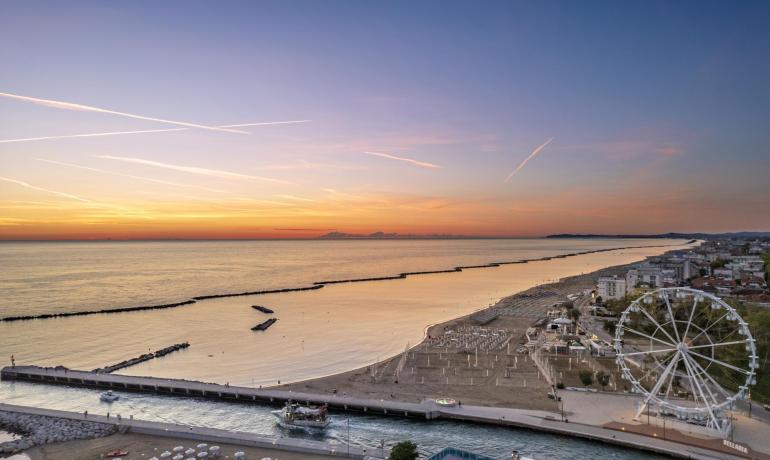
x=109 y=396
x=297 y=416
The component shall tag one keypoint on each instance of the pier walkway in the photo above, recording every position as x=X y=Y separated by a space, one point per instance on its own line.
x=530 y=419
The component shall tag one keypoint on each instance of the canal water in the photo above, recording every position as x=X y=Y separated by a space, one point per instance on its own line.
x=357 y=429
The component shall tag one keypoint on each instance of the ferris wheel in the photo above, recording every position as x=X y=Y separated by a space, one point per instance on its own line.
x=690 y=354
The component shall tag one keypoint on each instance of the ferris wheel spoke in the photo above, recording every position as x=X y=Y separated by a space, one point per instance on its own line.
x=673 y=375
x=700 y=376
x=658 y=325
x=656 y=388
x=721 y=363
x=653 y=369
x=718 y=344
x=709 y=327
x=692 y=313
x=634 y=331
x=647 y=352
x=694 y=380
x=708 y=376
x=664 y=294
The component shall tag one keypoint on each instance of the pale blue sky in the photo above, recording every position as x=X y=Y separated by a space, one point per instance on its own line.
x=658 y=106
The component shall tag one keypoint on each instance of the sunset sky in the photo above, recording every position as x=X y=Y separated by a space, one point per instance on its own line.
x=465 y=118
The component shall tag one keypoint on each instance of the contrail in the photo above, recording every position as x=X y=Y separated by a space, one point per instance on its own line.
x=193 y=170
x=88 y=108
x=422 y=164
x=41 y=189
x=531 y=156
x=131 y=176
x=144 y=131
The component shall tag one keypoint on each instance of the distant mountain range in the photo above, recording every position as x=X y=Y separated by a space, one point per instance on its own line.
x=671 y=235
x=391 y=236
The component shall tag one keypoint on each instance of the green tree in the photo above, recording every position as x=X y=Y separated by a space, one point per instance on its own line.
x=574 y=315
x=586 y=378
x=603 y=378
x=404 y=450
x=719 y=263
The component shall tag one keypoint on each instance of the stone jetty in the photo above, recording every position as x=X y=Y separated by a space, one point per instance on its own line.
x=36 y=430
x=141 y=358
x=263 y=326
x=262 y=309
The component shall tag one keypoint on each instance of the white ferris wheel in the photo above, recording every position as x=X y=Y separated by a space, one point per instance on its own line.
x=690 y=354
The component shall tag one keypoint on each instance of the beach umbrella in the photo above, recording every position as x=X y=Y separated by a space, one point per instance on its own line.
x=202 y=446
x=203 y=454
x=154 y=458
x=189 y=452
x=214 y=450
x=177 y=457
x=178 y=449
x=165 y=454
x=239 y=455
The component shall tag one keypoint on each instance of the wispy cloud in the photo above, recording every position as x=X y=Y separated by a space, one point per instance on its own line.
x=143 y=131
x=628 y=149
x=421 y=164
x=41 y=189
x=526 y=160
x=131 y=176
x=87 y=108
x=296 y=198
x=193 y=169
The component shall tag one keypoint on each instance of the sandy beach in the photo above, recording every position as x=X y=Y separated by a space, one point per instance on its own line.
x=496 y=377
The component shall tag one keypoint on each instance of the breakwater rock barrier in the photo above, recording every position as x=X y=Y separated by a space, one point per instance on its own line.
x=315 y=285
x=141 y=358
x=37 y=430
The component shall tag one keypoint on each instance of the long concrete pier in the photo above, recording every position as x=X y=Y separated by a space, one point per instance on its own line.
x=176 y=387
x=427 y=409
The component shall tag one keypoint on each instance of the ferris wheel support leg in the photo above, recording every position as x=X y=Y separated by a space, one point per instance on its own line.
x=655 y=389
x=693 y=378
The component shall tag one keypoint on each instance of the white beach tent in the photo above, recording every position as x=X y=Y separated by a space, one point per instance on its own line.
x=178 y=449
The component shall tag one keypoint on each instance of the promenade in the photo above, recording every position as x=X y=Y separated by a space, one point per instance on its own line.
x=427 y=409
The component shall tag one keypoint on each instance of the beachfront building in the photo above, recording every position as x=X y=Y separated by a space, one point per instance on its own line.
x=611 y=287
x=644 y=275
